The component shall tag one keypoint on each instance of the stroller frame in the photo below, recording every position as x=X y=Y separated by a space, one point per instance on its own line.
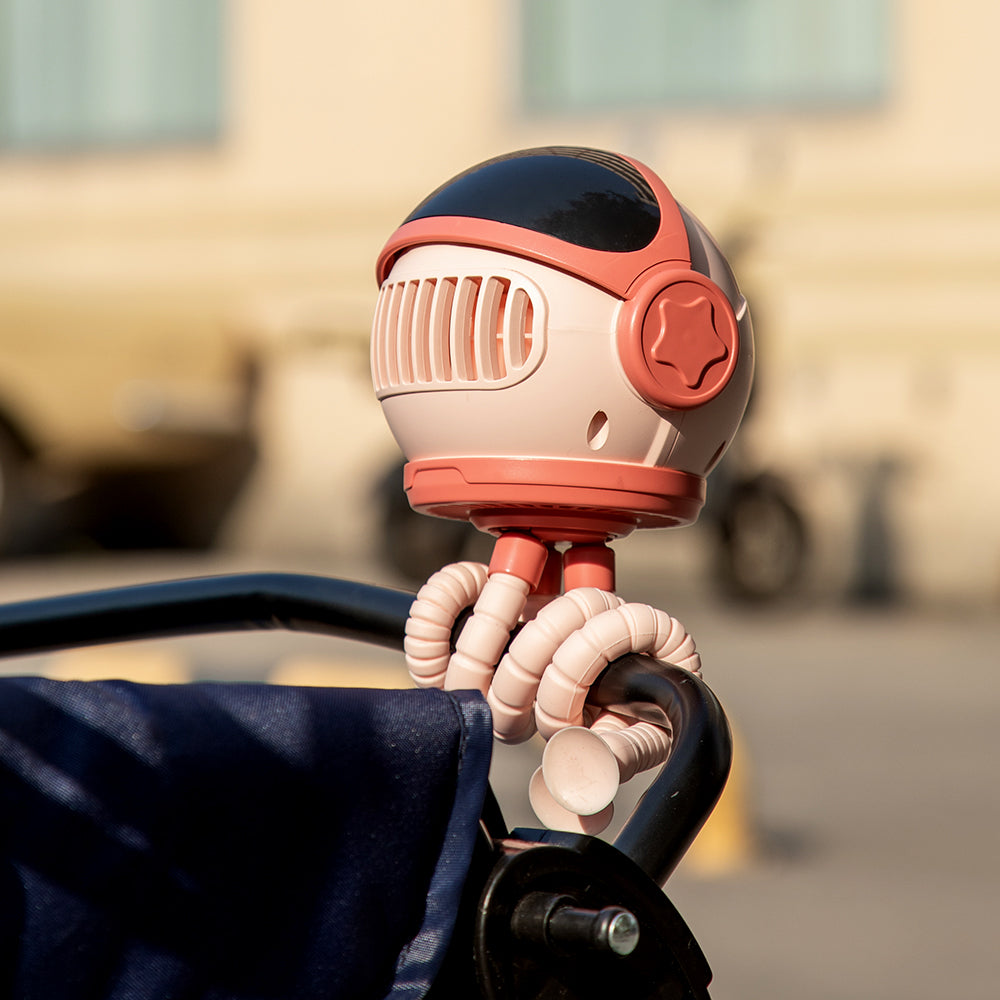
x=545 y=914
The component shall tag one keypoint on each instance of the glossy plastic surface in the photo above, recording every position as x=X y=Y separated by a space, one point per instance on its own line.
x=229 y=603
x=590 y=199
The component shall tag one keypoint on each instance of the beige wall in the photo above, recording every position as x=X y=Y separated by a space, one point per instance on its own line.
x=872 y=249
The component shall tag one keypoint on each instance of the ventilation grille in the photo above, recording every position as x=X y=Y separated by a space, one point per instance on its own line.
x=482 y=331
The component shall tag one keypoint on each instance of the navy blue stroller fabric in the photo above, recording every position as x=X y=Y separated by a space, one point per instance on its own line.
x=215 y=842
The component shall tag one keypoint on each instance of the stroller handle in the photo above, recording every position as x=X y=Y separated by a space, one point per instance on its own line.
x=655 y=836
x=675 y=806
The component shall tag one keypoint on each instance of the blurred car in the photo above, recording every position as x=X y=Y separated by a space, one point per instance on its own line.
x=124 y=417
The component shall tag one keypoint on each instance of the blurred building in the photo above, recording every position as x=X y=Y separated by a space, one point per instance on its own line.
x=238 y=166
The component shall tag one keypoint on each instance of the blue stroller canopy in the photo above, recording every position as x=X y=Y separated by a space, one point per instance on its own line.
x=250 y=842
x=233 y=841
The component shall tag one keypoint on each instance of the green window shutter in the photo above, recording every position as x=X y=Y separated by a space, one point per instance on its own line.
x=593 y=55
x=92 y=73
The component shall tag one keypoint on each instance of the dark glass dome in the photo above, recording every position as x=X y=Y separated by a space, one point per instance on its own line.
x=588 y=198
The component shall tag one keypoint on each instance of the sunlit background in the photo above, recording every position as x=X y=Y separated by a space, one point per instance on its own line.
x=193 y=193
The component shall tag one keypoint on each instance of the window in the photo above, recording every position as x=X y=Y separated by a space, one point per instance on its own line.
x=99 y=73
x=592 y=55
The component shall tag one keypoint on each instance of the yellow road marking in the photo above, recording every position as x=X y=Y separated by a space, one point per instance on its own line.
x=320 y=671
x=152 y=665
x=727 y=842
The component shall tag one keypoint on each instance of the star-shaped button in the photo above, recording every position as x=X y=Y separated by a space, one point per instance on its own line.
x=685 y=337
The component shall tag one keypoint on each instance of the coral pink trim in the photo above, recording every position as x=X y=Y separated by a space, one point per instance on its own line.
x=614 y=272
x=521 y=555
x=554 y=499
x=678 y=339
x=589 y=566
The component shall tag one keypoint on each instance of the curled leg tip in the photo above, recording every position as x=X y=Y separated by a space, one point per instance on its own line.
x=580 y=770
x=556 y=817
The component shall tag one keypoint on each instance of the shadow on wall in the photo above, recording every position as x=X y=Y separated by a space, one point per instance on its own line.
x=876 y=578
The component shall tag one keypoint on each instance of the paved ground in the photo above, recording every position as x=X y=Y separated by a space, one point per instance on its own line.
x=874 y=746
x=871 y=745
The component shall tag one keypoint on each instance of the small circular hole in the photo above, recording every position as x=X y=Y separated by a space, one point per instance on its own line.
x=597 y=432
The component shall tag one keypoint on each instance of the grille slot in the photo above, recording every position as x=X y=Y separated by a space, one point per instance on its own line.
x=456 y=332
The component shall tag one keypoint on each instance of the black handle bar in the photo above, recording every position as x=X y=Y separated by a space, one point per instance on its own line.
x=665 y=820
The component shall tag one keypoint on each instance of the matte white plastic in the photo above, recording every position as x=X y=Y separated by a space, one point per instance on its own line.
x=485 y=634
x=636 y=628
x=427 y=644
x=512 y=693
x=547 y=412
x=545 y=408
x=580 y=770
x=556 y=817
x=637 y=746
x=577 y=761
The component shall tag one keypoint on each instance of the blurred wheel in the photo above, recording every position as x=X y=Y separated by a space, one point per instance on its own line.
x=763 y=544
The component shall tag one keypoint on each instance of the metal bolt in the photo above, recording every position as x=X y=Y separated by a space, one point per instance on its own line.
x=622 y=931
x=551 y=919
x=612 y=928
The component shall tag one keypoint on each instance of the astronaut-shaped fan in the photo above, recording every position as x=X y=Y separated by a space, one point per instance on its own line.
x=563 y=354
